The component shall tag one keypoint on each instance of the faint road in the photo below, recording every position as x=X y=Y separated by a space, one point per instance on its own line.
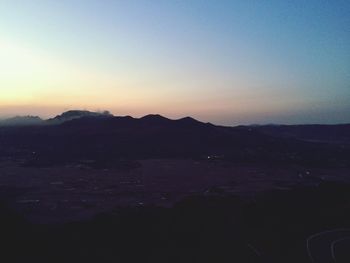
x=321 y=247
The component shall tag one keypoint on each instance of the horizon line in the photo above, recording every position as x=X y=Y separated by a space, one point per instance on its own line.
x=174 y=119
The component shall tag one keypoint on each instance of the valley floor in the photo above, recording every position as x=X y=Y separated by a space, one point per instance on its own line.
x=75 y=192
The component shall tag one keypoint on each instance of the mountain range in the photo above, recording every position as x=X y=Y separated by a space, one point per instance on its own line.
x=75 y=136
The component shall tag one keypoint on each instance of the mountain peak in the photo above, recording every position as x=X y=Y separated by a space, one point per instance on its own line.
x=188 y=120
x=154 y=117
x=76 y=114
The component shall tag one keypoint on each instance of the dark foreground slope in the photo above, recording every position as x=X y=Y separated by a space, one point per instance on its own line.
x=277 y=227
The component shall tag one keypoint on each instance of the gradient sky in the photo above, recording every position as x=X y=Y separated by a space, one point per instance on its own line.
x=227 y=62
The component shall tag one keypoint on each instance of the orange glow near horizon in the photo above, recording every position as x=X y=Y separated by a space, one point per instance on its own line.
x=217 y=62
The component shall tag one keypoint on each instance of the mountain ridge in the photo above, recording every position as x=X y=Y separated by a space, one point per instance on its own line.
x=154 y=118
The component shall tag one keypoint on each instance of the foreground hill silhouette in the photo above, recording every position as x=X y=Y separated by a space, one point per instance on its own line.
x=275 y=228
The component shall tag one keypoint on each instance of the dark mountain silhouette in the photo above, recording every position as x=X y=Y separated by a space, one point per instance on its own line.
x=76 y=114
x=82 y=119
x=155 y=118
x=189 y=120
x=79 y=135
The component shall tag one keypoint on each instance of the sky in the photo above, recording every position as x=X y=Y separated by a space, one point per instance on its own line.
x=226 y=62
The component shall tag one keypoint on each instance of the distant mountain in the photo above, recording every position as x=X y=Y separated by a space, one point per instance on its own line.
x=22 y=121
x=151 y=123
x=155 y=119
x=76 y=114
x=339 y=133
